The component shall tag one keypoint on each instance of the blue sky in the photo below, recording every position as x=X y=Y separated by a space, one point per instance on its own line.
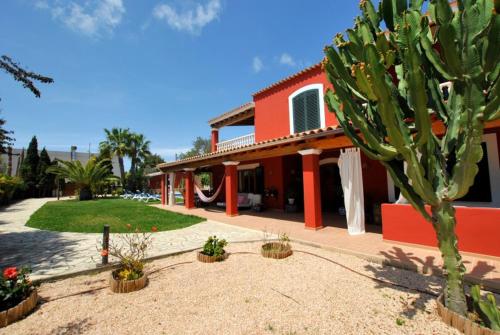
x=160 y=67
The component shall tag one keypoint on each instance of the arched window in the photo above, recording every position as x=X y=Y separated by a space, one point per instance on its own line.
x=306 y=109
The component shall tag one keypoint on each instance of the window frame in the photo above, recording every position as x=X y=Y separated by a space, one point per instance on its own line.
x=322 y=119
x=494 y=171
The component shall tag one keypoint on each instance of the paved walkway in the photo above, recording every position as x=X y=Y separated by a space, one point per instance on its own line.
x=371 y=246
x=53 y=253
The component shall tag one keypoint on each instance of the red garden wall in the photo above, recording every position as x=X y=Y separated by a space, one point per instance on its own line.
x=271 y=106
x=478 y=229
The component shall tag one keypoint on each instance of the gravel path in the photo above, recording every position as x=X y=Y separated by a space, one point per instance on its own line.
x=246 y=294
x=53 y=253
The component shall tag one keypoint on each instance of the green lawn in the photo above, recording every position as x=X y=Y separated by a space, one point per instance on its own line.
x=91 y=216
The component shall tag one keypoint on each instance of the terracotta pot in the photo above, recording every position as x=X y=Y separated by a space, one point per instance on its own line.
x=126 y=286
x=269 y=250
x=457 y=321
x=210 y=259
x=20 y=310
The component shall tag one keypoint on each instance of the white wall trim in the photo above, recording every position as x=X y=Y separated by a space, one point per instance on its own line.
x=310 y=152
x=189 y=169
x=493 y=169
x=248 y=166
x=330 y=160
x=322 y=118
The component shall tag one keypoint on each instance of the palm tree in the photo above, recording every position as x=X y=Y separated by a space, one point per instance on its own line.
x=117 y=140
x=86 y=178
x=138 y=150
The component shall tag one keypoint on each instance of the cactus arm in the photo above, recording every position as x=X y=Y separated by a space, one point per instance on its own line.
x=492 y=54
x=416 y=80
x=433 y=57
x=335 y=107
x=447 y=36
x=388 y=13
x=374 y=142
x=370 y=14
x=469 y=151
x=402 y=182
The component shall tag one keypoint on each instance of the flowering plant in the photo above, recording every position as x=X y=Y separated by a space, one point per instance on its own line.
x=15 y=286
x=131 y=250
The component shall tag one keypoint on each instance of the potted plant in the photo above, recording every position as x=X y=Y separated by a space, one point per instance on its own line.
x=131 y=251
x=18 y=296
x=213 y=250
x=277 y=249
x=483 y=316
x=291 y=195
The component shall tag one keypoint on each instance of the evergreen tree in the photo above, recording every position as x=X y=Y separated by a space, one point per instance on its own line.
x=46 y=181
x=29 y=168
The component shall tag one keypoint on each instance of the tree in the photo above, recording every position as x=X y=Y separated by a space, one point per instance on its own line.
x=29 y=168
x=386 y=81
x=5 y=139
x=200 y=146
x=138 y=150
x=27 y=78
x=86 y=178
x=152 y=160
x=46 y=180
x=117 y=140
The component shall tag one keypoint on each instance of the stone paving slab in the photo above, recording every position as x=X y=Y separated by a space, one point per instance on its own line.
x=54 y=253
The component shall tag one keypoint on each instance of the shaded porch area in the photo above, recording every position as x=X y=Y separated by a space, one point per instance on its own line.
x=371 y=246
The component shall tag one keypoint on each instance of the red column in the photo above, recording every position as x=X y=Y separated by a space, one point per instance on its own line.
x=214 y=140
x=189 y=185
x=231 y=188
x=312 y=190
x=163 y=193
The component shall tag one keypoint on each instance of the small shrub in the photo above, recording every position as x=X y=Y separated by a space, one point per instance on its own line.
x=485 y=310
x=283 y=244
x=15 y=286
x=130 y=249
x=214 y=247
x=9 y=187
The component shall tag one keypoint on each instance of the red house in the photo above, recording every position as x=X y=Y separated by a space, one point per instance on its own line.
x=294 y=154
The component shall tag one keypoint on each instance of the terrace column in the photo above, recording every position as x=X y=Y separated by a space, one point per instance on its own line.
x=312 y=189
x=231 y=188
x=189 y=185
x=163 y=190
x=171 y=189
x=214 y=140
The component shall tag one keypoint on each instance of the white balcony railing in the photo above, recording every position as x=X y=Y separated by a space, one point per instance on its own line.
x=236 y=142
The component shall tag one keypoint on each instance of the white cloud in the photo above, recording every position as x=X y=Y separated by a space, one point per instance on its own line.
x=286 y=59
x=192 y=19
x=92 y=18
x=257 y=64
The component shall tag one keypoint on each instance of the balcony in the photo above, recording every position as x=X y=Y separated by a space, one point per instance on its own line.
x=236 y=142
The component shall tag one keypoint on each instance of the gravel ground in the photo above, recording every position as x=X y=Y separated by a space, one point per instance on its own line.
x=246 y=294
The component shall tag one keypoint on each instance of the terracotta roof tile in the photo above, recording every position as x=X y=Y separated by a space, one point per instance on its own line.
x=297 y=74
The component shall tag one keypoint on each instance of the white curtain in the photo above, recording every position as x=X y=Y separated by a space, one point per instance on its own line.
x=352 y=185
x=171 y=193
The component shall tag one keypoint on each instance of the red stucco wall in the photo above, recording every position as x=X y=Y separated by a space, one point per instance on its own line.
x=271 y=106
x=477 y=228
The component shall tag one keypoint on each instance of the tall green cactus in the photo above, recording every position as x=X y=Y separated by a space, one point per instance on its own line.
x=386 y=72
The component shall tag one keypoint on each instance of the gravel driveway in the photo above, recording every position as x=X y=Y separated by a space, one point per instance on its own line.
x=246 y=294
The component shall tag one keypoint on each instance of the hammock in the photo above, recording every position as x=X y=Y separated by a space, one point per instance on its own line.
x=203 y=197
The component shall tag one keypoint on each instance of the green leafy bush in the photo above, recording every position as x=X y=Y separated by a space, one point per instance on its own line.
x=15 y=286
x=9 y=187
x=214 y=247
